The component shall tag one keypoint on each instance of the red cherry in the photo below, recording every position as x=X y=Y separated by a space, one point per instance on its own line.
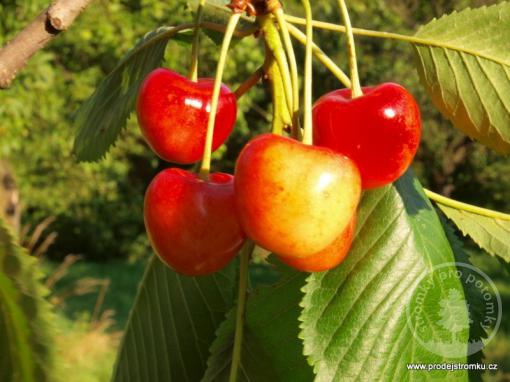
x=379 y=130
x=328 y=258
x=173 y=113
x=192 y=224
x=294 y=199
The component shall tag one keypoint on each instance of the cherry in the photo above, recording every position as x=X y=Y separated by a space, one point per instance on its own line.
x=328 y=258
x=379 y=130
x=173 y=113
x=294 y=199
x=192 y=224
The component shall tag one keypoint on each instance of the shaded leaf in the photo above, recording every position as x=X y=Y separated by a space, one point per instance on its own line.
x=25 y=343
x=104 y=114
x=172 y=324
x=492 y=235
x=474 y=298
x=271 y=348
x=464 y=64
x=216 y=11
x=359 y=321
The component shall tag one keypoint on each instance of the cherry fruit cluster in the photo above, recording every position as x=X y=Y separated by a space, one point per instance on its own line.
x=298 y=201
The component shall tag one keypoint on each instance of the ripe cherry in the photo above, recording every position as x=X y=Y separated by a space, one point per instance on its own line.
x=379 y=130
x=294 y=199
x=192 y=224
x=173 y=113
x=328 y=258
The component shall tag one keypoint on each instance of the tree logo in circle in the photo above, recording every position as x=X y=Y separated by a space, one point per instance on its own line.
x=443 y=321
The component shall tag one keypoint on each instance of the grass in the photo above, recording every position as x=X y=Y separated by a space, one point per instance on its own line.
x=79 y=290
x=84 y=351
x=93 y=301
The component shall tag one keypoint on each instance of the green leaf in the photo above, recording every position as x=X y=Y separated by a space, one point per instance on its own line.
x=172 y=324
x=492 y=235
x=473 y=297
x=101 y=117
x=464 y=64
x=271 y=349
x=25 y=343
x=356 y=318
x=216 y=11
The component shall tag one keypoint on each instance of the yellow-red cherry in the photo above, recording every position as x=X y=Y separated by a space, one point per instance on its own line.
x=192 y=223
x=294 y=199
x=173 y=112
x=328 y=258
x=380 y=130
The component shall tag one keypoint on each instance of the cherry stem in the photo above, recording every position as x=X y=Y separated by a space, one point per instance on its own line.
x=308 y=125
x=321 y=56
x=282 y=118
x=274 y=43
x=289 y=49
x=443 y=200
x=193 y=72
x=227 y=38
x=353 y=63
x=241 y=308
x=249 y=83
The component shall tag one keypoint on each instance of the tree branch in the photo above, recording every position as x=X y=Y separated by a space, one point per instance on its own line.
x=56 y=18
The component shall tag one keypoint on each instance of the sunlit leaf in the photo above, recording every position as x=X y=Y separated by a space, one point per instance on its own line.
x=464 y=63
x=355 y=319
x=492 y=235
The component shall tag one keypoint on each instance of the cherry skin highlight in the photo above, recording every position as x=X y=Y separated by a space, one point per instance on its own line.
x=380 y=130
x=173 y=113
x=294 y=199
x=328 y=258
x=192 y=224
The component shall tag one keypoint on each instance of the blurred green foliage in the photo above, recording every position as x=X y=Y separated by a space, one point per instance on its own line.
x=99 y=205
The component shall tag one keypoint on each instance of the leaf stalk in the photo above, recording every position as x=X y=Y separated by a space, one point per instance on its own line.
x=443 y=200
x=393 y=36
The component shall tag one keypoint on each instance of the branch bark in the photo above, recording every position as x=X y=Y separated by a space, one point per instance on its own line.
x=56 y=18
